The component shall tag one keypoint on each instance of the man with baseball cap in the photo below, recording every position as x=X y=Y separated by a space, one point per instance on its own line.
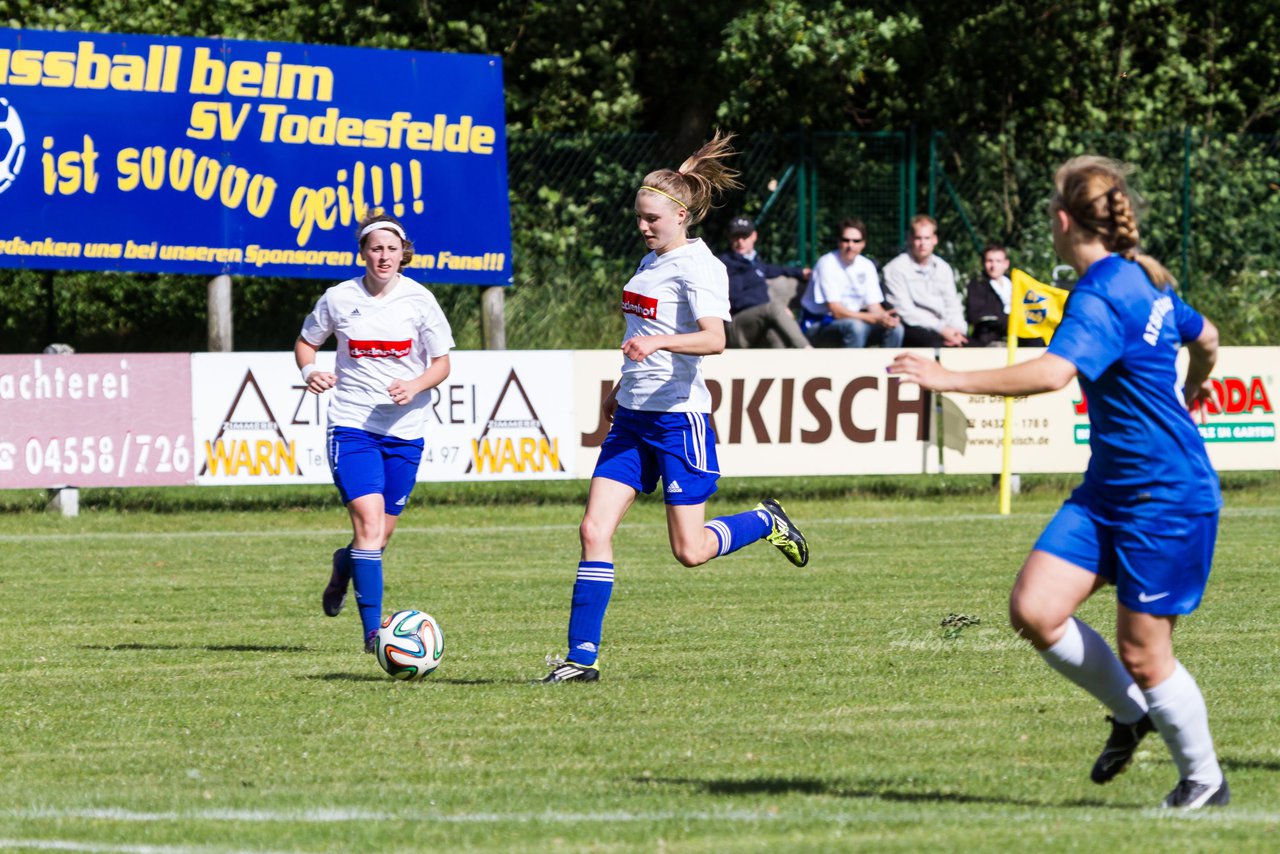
x=758 y=321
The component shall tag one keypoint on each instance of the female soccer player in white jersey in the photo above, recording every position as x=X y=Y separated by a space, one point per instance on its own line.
x=1146 y=516
x=393 y=345
x=675 y=307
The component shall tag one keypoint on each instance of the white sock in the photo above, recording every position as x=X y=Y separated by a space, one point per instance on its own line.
x=1086 y=659
x=1179 y=713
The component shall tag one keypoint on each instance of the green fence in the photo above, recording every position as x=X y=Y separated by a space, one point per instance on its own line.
x=1214 y=216
x=1213 y=211
x=574 y=228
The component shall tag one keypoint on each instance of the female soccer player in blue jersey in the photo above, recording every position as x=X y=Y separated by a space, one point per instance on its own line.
x=675 y=308
x=393 y=345
x=1146 y=516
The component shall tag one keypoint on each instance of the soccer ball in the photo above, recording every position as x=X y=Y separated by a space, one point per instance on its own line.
x=410 y=644
x=12 y=144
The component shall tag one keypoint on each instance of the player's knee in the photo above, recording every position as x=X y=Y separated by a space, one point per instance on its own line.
x=1026 y=621
x=592 y=534
x=1148 y=667
x=688 y=554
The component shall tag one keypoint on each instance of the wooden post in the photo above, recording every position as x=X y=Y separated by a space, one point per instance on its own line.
x=493 y=326
x=220 y=315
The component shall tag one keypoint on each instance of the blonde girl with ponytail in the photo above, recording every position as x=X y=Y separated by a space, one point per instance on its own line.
x=675 y=308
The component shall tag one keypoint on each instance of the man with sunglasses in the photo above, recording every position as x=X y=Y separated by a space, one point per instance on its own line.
x=842 y=306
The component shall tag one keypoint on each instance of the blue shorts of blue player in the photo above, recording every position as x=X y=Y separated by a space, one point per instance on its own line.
x=375 y=475
x=1159 y=564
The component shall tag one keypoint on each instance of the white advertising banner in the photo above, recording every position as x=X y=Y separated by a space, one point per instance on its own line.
x=786 y=412
x=1044 y=425
x=499 y=416
x=1239 y=423
x=1051 y=431
x=245 y=418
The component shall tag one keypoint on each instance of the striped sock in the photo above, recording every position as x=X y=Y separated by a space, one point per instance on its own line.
x=366 y=578
x=591 y=592
x=740 y=529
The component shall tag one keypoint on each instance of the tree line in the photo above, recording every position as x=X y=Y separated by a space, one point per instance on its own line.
x=1020 y=80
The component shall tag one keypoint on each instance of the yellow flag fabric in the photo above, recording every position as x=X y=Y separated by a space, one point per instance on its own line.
x=1036 y=308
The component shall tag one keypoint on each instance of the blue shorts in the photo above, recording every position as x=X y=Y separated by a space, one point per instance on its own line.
x=679 y=446
x=365 y=463
x=1159 y=565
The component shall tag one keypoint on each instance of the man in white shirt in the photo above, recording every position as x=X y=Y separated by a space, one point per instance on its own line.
x=842 y=307
x=922 y=287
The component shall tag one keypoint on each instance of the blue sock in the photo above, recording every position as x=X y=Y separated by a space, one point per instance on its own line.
x=366 y=578
x=591 y=593
x=740 y=529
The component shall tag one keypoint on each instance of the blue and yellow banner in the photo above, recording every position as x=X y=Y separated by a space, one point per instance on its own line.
x=1036 y=308
x=165 y=154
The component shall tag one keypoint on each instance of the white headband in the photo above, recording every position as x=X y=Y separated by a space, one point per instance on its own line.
x=382 y=224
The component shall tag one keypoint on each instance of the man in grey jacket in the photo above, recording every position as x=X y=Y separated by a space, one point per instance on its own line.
x=922 y=287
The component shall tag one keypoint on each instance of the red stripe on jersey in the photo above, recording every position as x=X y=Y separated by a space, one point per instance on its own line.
x=379 y=349
x=639 y=305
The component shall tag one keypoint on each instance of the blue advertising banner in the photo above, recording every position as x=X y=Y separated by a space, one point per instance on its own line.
x=185 y=155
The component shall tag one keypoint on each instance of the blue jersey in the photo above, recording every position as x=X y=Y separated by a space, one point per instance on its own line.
x=1123 y=333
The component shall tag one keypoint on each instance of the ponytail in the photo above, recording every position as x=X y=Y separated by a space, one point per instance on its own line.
x=700 y=178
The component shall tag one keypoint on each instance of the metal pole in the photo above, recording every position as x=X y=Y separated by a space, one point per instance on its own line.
x=911 y=176
x=904 y=167
x=933 y=172
x=802 y=198
x=813 y=203
x=1186 y=209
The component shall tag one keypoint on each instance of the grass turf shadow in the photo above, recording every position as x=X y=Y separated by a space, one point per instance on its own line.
x=168 y=647
x=885 y=790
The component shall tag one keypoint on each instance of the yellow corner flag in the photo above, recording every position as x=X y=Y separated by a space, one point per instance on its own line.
x=1036 y=308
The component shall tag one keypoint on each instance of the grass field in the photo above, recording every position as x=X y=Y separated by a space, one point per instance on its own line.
x=168 y=683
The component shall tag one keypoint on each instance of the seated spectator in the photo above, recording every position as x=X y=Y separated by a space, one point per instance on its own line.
x=987 y=296
x=758 y=321
x=922 y=287
x=842 y=306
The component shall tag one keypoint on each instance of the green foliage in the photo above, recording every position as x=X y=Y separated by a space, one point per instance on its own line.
x=793 y=63
x=598 y=94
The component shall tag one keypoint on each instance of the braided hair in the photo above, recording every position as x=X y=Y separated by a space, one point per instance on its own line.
x=1094 y=192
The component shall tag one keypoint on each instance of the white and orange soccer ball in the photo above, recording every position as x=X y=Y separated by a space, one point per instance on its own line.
x=410 y=644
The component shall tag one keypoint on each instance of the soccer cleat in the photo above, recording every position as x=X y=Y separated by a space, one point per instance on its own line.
x=786 y=536
x=335 y=594
x=371 y=642
x=1190 y=795
x=570 y=671
x=1120 y=747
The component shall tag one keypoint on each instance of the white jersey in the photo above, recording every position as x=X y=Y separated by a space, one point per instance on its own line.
x=666 y=296
x=855 y=286
x=393 y=337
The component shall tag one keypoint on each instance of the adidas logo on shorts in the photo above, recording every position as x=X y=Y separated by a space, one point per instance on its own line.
x=674 y=486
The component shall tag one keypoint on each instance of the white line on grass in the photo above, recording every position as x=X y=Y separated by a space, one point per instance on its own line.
x=108 y=848
x=479 y=527
x=1226 y=817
